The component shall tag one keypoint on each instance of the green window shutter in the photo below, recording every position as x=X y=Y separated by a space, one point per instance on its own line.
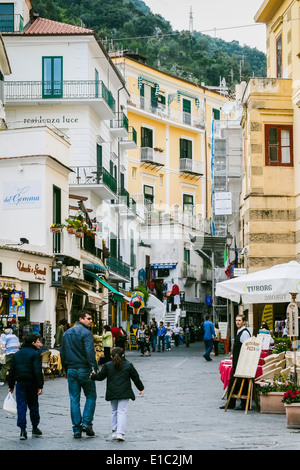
x=113 y=245
x=216 y=114
x=186 y=106
x=146 y=137
x=99 y=156
x=186 y=148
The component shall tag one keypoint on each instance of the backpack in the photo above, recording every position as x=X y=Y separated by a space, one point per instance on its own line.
x=201 y=331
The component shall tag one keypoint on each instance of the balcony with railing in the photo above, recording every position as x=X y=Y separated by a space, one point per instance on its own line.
x=189 y=273
x=11 y=23
x=69 y=91
x=196 y=119
x=153 y=156
x=187 y=165
x=118 y=267
x=96 y=178
x=119 y=126
x=66 y=245
x=129 y=142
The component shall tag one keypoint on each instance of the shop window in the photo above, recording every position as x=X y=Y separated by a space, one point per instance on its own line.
x=279 y=145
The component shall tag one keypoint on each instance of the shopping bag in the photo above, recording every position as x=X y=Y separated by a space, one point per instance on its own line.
x=10 y=404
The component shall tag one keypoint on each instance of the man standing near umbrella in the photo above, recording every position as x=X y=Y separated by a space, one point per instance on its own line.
x=241 y=336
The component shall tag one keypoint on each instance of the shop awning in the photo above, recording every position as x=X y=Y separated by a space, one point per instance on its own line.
x=94 y=298
x=96 y=268
x=163 y=265
x=117 y=295
x=10 y=283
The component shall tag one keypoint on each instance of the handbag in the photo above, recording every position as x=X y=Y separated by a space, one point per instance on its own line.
x=10 y=404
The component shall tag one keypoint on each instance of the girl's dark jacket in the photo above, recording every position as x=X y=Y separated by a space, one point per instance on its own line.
x=26 y=366
x=119 y=382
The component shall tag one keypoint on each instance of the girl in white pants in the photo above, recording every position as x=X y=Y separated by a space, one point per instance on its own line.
x=119 y=373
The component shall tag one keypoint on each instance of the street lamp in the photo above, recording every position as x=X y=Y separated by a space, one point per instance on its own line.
x=229 y=239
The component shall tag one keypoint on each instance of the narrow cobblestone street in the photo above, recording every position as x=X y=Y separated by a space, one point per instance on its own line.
x=179 y=412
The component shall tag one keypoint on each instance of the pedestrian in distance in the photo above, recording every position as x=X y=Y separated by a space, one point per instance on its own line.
x=141 y=339
x=169 y=333
x=176 y=333
x=61 y=327
x=107 y=342
x=217 y=339
x=12 y=345
x=78 y=360
x=27 y=375
x=154 y=330
x=241 y=336
x=187 y=335
x=148 y=336
x=209 y=335
x=161 y=333
x=119 y=373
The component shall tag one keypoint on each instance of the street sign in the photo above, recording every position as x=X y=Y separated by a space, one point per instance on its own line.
x=56 y=276
x=239 y=272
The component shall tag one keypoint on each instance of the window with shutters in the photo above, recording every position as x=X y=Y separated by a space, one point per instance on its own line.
x=279 y=145
x=279 y=57
x=186 y=148
x=146 y=137
x=52 y=74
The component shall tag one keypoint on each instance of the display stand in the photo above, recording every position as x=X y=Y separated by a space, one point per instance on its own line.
x=246 y=370
x=133 y=344
x=248 y=397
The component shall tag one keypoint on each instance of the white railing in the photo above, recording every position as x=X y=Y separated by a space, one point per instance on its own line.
x=150 y=155
x=189 y=165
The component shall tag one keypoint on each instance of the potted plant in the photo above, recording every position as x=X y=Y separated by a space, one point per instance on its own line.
x=271 y=395
x=291 y=400
x=71 y=227
x=56 y=228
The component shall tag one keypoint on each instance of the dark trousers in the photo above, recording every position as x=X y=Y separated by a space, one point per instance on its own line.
x=107 y=356
x=27 y=396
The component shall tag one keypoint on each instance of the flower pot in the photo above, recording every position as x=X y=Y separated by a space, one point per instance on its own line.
x=79 y=234
x=292 y=412
x=271 y=403
x=71 y=230
x=56 y=229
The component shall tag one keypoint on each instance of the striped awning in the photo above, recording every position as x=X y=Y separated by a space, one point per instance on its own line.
x=10 y=283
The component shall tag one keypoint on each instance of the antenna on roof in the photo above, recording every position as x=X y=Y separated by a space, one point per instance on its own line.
x=191 y=25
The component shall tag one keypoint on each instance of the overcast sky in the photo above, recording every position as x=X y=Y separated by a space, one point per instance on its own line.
x=227 y=19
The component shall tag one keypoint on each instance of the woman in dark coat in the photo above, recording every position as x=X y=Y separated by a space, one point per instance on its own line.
x=119 y=373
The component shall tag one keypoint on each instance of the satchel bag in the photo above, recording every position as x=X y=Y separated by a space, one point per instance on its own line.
x=10 y=404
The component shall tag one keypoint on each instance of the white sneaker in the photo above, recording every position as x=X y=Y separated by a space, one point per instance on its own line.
x=120 y=437
x=114 y=435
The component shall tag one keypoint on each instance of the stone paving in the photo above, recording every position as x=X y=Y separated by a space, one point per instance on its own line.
x=179 y=412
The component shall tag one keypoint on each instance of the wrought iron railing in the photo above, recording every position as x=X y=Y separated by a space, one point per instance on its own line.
x=87 y=175
x=118 y=266
x=120 y=121
x=66 y=89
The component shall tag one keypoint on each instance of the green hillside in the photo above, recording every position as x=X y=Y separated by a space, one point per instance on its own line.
x=130 y=24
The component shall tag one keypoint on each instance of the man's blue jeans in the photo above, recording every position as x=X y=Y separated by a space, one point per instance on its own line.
x=161 y=339
x=208 y=346
x=80 y=379
x=27 y=396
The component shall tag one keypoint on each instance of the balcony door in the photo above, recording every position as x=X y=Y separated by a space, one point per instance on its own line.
x=52 y=77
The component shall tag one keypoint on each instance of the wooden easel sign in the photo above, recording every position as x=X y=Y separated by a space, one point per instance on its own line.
x=246 y=370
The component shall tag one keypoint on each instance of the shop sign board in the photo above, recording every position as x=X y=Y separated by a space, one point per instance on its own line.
x=21 y=195
x=248 y=358
x=32 y=272
x=223 y=329
x=292 y=319
x=17 y=304
x=56 y=276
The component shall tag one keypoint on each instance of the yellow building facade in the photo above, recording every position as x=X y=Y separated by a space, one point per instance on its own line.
x=172 y=118
x=270 y=195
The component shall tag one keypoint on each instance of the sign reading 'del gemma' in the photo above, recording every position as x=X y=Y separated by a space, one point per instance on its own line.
x=21 y=195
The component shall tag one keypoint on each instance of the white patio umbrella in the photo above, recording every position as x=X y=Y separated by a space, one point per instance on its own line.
x=273 y=285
